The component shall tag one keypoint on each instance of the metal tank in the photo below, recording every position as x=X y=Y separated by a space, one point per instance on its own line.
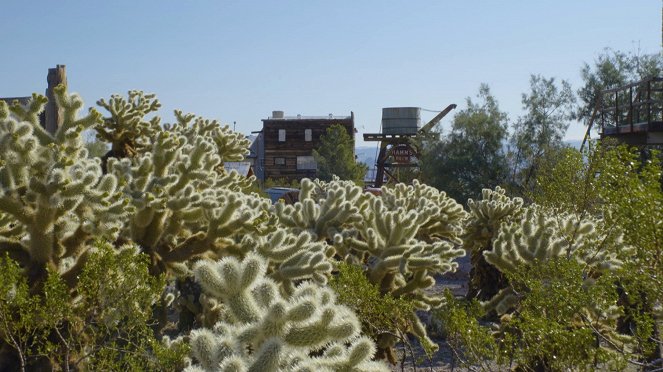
x=401 y=120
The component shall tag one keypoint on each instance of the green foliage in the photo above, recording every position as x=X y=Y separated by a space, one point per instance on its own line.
x=106 y=327
x=379 y=313
x=624 y=186
x=555 y=326
x=611 y=69
x=552 y=328
x=54 y=200
x=470 y=158
x=26 y=320
x=472 y=343
x=537 y=136
x=281 y=182
x=336 y=156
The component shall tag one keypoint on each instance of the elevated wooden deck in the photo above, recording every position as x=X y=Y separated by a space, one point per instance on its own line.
x=633 y=113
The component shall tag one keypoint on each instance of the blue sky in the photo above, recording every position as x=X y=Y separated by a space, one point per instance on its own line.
x=239 y=60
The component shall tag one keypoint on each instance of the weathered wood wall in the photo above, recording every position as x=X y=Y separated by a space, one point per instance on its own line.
x=295 y=144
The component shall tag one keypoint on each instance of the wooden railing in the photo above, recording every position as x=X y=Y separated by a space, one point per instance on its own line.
x=636 y=107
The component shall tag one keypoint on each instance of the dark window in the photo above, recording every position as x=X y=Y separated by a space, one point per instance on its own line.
x=279 y=161
x=306 y=163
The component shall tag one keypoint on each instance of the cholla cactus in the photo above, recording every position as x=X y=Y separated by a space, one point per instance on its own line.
x=324 y=209
x=127 y=130
x=263 y=331
x=53 y=198
x=292 y=258
x=400 y=258
x=485 y=218
x=446 y=221
x=539 y=237
x=227 y=145
x=184 y=204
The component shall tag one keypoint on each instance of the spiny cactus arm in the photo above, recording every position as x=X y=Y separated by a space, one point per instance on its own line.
x=71 y=105
x=333 y=324
x=31 y=115
x=74 y=244
x=420 y=280
x=232 y=281
x=126 y=129
x=268 y=357
x=314 y=265
x=503 y=301
x=231 y=146
x=15 y=208
x=356 y=357
x=31 y=112
x=4 y=110
x=72 y=274
x=419 y=330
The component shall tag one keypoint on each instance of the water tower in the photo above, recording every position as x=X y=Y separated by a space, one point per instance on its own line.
x=398 y=148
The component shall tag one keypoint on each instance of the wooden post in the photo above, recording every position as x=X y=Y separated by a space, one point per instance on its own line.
x=55 y=77
x=630 y=109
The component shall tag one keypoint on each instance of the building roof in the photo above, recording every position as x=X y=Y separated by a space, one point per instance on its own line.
x=242 y=167
x=301 y=117
x=22 y=100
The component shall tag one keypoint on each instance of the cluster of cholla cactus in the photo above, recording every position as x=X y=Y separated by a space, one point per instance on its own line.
x=539 y=236
x=404 y=238
x=53 y=199
x=262 y=330
x=183 y=203
x=485 y=218
x=324 y=209
x=292 y=257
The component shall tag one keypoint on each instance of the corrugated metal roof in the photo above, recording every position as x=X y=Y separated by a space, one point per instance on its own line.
x=242 y=167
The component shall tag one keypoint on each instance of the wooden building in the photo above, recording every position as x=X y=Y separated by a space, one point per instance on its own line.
x=50 y=118
x=287 y=144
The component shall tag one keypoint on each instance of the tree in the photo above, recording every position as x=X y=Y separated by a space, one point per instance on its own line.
x=615 y=182
x=335 y=156
x=538 y=134
x=471 y=157
x=611 y=69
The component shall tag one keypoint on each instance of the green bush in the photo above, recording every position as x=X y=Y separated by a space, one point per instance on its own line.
x=103 y=325
x=380 y=314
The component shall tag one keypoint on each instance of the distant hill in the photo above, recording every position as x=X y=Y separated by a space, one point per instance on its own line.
x=366 y=155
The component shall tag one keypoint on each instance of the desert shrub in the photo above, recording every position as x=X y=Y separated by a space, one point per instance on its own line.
x=553 y=328
x=104 y=325
x=379 y=313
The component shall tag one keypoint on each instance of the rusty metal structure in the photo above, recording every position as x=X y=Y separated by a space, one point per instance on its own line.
x=632 y=114
x=398 y=145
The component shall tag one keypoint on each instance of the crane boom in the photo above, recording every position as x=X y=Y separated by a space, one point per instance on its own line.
x=426 y=128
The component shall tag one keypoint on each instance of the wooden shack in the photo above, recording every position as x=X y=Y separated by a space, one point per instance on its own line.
x=289 y=141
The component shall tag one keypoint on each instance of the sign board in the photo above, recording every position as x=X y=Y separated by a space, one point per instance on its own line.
x=402 y=154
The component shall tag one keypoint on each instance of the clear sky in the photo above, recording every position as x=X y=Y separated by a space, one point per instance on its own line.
x=239 y=60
